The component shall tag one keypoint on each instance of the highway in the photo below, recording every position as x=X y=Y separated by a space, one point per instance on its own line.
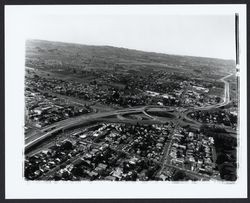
x=181 y=116
x=62 y=125
x=184 y=113
x=226 y=90
x=48 y=131
x=29 y=141
x=226 y=101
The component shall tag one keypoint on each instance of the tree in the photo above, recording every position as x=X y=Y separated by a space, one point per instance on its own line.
x=221 y=159
x=179 y=175
x=228 y=172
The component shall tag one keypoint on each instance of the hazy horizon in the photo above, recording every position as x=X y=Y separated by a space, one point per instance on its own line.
x=210 y=36
x=105 y=45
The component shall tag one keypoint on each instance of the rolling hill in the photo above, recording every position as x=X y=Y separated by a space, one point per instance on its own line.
x=48 y=54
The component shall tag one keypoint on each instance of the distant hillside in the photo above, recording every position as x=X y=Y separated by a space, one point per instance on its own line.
x=41 y=54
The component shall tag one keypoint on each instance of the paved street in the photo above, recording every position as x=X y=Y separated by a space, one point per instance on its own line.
x=181 y=117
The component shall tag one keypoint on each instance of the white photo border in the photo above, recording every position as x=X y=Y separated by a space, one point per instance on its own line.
x=15 y=185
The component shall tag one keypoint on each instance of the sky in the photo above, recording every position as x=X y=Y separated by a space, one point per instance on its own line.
x=194 y=35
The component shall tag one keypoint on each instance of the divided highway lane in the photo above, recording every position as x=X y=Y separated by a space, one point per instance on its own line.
x=38 y=137
x=78 y=120
x=30 y=140
x=75 y=121
x=226 y=90
x=226 y=100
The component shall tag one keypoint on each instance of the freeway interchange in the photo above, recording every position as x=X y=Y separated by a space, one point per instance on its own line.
x=180 y=117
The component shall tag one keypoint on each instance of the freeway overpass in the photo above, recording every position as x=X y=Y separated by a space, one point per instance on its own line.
x=37 y=138
x=65 y=124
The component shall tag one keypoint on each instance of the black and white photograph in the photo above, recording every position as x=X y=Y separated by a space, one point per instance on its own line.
x=121 y=94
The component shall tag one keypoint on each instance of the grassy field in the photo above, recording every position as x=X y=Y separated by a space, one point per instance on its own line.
x=67 y=56
x=160 y=114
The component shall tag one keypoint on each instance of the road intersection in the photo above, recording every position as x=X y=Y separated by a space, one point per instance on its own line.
x=180 y=115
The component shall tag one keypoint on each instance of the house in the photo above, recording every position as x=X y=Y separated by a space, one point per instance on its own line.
x=102 y=166
x=110 y=178
x=117 y=173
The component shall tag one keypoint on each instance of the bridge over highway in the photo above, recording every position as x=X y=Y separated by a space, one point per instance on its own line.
x=65 y=124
